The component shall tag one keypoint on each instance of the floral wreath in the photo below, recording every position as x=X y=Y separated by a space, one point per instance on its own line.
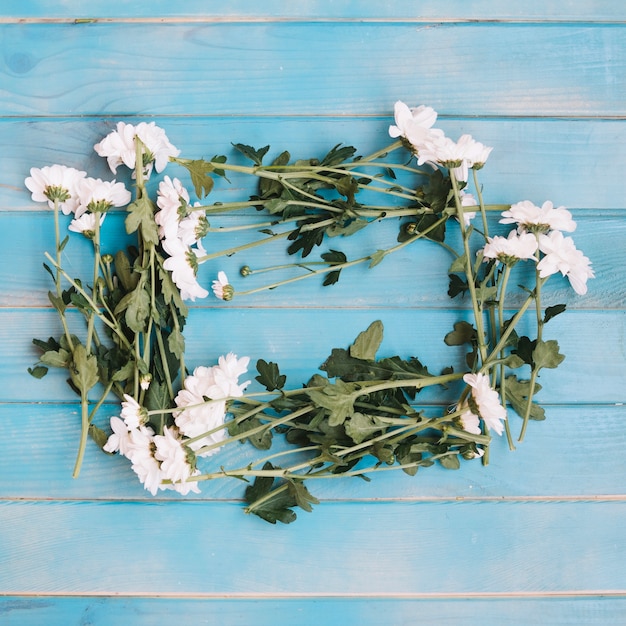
x=360 y=417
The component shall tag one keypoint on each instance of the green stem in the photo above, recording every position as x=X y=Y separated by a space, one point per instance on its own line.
x=503 y=286
x=84 y=429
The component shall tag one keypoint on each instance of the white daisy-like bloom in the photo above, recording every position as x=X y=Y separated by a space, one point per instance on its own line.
x=55 y=182
x=172 y=198
x=98 y=195
x=487 y=401
x=133 y=414
x=119 y=146
x=467 y=199
x=561 y=255
x=217 y=383
x=413 y=124
x=531 y=218
x=508 y=250
x=119 y=440
x=192 y=228
x=459 y=156
x=180 y=264
x=170 y=452
x=470 y=422
x=86 y=223
x=221 y=287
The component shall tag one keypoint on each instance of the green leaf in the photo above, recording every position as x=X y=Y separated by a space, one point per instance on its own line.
x=377 y=257
x=176 y=343
x=546 y=354
x=56 y=358
x=553 y=311
x=517 y=392
x=457 y=285
x=39 y=371
x=157 y=399
x=277 y=205
x=331 y=278
x=98 y=435
x=338 y=398
x=338 y=155
x=269 y=375
x=261 y=440
x=334 y=257
x=249 y=152
x=83 y=369
x=514 y=361
x=199 y=171
x=361 y=426
x=347 y=187
x=366 y=344
x=301 y=495
x=141 y=214
x=524 y=349
x=277 y=503
x=137 y=307
x=450 y=461
x=269 y=187
x=463 y=333
x=458 y=265
x=124 y=271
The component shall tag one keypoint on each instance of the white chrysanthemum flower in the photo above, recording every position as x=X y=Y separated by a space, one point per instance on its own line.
x=222 y=288
x=467 y=199
x=531 y=218
x=509 y=250
x=172 y=200
x=470 y=422
x=119 y=440
x=192 y=229
x=487 y=401
x=562 y=256
x=182 y=263
x=133 y=414
x=98 y=195
x=217 y=383
x=86 y=223
x=55 y=182
x=414 y=125
x=458 y=156
x=171 y=453
x=119 y=146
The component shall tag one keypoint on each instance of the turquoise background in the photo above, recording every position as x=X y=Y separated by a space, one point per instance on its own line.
x=537 y=536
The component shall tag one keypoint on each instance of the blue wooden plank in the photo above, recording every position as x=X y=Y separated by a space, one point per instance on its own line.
x=196 y=548
x=324 y=9
x=300 y=341
x=309 y=611
x=552 y=448
x=414 y=277
x=561 y=160
x=132 y=68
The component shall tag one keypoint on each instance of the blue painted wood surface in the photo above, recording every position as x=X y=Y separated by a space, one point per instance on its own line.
x=536 y=536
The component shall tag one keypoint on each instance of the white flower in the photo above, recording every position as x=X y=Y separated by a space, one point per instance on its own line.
x=217 y=383
x=562 y=256
x=119 y=440
x=413 y=124
x=170 y=452
x=133 y=414
x=172 y=200
x=510 y=249
x=467 y=199
x=470 y=422
x=487 y=401
x=98 y=195
x=182 y=263
x=459 y=157
x=55 y=182
x=531 y=218
x=221 y=287
x=86 y=224
x=119 y=146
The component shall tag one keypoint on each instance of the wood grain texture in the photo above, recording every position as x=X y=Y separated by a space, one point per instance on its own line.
x=93 y=69
x=275 y=10
x=534 y=537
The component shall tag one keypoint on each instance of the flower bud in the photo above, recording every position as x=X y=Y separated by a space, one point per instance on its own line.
x=107 y=259
x=228 y=293
x=410 y=228
x=145 y=380
x=245 y=270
